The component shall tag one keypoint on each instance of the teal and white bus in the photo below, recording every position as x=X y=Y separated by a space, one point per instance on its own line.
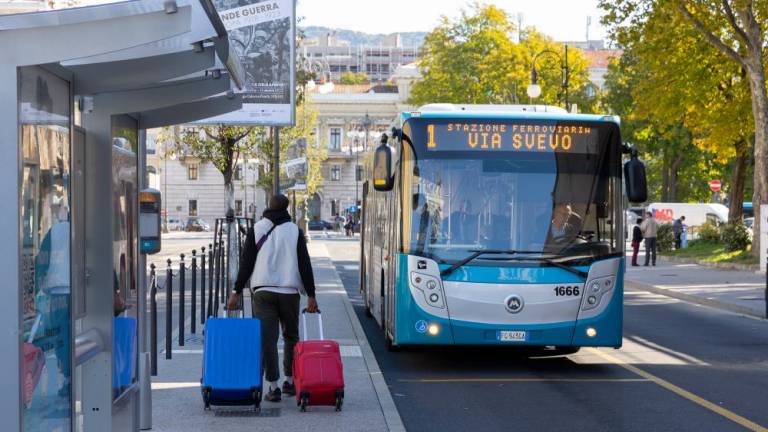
x=486 y=225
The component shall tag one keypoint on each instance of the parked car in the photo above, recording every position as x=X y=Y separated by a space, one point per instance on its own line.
x=174 y=224
x=317 y=225
x=197 y=224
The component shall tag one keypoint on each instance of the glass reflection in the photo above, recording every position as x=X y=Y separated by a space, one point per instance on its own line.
x=45 y=250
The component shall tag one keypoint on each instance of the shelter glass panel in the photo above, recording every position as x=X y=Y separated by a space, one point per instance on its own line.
x=45 y=136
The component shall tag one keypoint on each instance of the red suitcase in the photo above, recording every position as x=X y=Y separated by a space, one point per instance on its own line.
x=317 y=370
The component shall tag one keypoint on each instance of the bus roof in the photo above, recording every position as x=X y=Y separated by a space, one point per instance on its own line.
x=533 y=112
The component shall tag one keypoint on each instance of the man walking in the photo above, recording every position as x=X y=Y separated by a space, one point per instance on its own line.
x=677 y=230
x=650 y=229
x=276 y=260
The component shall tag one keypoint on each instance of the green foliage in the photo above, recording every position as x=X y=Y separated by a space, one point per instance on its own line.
x=665 y=239
x=353 y=78
x=735 y=237
x=475 y=60
x=709 y=232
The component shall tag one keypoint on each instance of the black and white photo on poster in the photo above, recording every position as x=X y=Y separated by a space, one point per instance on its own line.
x=261 y=32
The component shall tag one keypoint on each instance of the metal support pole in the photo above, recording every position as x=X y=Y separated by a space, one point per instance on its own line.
x=193 y=308
x=153 y=319
x=276 y=162
x=211 y=266
x=224 y=270
x=168 y=311
x=217 y=296
x=202 y=286
x=182 y=300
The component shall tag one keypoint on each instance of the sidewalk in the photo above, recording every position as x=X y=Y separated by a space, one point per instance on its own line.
x=177 y=404
x=736 y=291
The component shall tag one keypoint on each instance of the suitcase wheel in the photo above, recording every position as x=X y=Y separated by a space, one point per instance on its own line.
x=256 y=401
x=303 y=401
x=207 y=398
x=339 y=400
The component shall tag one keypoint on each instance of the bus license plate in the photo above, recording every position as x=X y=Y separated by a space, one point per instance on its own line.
x=512 y=336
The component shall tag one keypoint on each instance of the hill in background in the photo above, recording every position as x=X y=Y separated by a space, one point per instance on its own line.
x=355 y=38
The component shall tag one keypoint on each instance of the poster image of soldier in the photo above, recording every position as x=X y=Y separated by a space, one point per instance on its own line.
x=261 y=33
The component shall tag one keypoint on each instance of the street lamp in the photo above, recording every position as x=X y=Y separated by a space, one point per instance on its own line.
x=356 y=135
x=534 y=89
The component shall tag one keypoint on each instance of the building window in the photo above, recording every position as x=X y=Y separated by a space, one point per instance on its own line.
x=193 y=207
x=335 y=173
x=238 y=207
x=334 y=207
x=335 y=140
x=192 y=171
x=359 y=173
x=239 y=172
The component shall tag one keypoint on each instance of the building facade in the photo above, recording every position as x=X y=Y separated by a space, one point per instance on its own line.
x=333 y=56
x=195 y=188
x=341 y=126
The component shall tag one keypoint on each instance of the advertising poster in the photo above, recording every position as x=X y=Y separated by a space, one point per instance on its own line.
x=262 y=33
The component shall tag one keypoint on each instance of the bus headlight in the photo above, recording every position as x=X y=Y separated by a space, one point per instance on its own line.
x=591 y=332
x=591 y=299
x=433 y=329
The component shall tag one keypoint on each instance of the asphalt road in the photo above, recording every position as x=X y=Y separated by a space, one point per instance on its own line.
x=682 y=368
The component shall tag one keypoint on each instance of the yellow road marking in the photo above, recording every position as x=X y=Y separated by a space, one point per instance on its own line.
x=730 y=415
x=502 y=380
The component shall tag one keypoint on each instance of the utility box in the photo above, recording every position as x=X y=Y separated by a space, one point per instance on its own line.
x=763 y=236
x=149 y=221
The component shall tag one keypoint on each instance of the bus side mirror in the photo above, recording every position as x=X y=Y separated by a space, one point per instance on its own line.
x=383 y=177
x=634 y=180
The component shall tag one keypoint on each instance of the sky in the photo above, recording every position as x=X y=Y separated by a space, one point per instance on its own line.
x=560 y=19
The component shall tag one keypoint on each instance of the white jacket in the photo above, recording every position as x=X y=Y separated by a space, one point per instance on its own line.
x=277 y=263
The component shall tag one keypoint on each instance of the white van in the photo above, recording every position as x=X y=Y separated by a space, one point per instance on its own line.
x=695 y=214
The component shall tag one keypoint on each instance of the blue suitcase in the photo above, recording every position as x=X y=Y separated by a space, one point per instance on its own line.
x=232 y=362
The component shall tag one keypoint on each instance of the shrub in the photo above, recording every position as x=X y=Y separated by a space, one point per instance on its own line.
x=735 y=237
x=665 y=239
x=709 y=232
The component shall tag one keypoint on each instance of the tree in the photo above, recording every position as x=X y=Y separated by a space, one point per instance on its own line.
x=735 y=30
x=353 y=78
x=475 y=60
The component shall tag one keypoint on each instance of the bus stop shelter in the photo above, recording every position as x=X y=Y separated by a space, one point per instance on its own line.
x=77 y=89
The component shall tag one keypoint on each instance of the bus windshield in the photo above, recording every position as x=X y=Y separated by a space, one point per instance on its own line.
x=533 y=186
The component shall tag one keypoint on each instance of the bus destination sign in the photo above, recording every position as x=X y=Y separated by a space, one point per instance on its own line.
x=488 y=137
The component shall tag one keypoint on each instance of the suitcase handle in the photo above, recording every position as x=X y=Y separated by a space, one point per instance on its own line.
x=236 y=313
x=304 y=323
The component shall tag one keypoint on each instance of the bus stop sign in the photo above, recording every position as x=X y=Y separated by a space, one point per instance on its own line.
x=715 y=185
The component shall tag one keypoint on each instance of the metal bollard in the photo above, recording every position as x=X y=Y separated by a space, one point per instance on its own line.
x=210 y=281
x=182 y=300
x=168 y=311
x=193 y=308
x=153 y=319
x=202 y=286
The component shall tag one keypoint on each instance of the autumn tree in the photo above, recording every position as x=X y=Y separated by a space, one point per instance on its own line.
x=724 y=42
x=475 y=59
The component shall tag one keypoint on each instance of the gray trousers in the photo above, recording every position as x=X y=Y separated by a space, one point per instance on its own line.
x=650 y=250
x=276 y=312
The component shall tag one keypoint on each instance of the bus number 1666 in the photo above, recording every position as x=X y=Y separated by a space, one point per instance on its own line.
x=566 y=291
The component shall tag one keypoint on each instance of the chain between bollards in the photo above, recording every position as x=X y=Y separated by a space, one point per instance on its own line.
x=168 y=311
x=153 y=319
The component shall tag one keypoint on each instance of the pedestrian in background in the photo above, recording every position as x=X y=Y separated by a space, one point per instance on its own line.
x=650 y=230
x=677 y=230
x=637 y=237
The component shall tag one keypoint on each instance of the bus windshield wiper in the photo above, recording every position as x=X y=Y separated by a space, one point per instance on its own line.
x=553 y=263
x=476 y=253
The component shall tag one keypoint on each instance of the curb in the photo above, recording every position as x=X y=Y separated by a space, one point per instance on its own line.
x=387 y=404
x=724 y=266
x=716 y=304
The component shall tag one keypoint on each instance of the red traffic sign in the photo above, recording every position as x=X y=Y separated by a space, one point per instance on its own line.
x=715 y=185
